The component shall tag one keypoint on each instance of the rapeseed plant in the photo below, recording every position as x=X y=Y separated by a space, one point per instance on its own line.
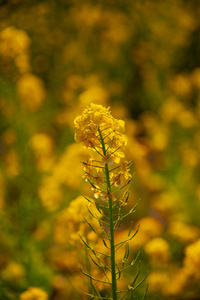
x=108 y=173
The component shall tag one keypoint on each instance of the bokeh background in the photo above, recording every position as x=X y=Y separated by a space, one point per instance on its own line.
x=141 y=58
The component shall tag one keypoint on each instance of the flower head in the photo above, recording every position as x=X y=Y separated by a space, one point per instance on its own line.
x=98 y=130
x=94 y=118
x=34 y=293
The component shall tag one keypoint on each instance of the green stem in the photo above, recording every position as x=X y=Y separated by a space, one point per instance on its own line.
x=112 y=242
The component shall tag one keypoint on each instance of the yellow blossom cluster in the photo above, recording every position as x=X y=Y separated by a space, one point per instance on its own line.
x=31 y=92
x=13 y=272
x=13 y=41
x=158 y=251
x=34 y=293
x=94 y=118
x=60 y=171
x=14 y=45
x=70 y=222
x=158 y=280
x=43 y=146
x=98 y=130
x=183 y=232
x=192 y=258
x=15 y=51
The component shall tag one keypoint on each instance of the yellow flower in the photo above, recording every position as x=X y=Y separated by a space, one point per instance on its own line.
x=13 y=272
x=70 y=222
x=42 y=145
x=120 y=176
x=34 y=293
x=158 y=250
x=180 y=281
x=97 y=129
x=68 y=161
x=183 y=232
x=94 y=118
x=150 y=227
x=158 y=281
x=192 y=258
x=97 y=192
x=31 y=92
x=107 y=159
x=116 y=178
x=50 y=193
x=15 y=47
x=106 y=195
x=93 y=171
x=13 y=42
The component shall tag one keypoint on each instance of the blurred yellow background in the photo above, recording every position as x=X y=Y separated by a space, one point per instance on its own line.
x=142 y=59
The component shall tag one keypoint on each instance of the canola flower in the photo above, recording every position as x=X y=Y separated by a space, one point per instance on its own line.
x=108 y=172
x=15 y=47
x=34 y=293
x=158 y=251
x=98 y=130
x=31 y=92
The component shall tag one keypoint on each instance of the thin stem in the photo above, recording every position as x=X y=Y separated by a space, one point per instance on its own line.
x=112 y=243
x=97 y=150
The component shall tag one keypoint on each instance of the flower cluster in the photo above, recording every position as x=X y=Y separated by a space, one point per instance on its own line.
x=158 y=251
x=98 y=130
x=192 y=258
x=15 y=44
x=70 y=223
x=34 y=293
x=31 y=92
x=97 y=118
